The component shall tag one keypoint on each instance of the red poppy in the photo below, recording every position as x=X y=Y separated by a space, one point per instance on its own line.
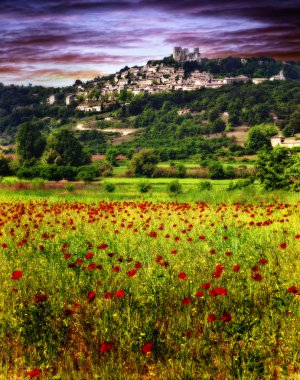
x=212 y=251
x=206 y=285
x=102 y=246
x=174 y=252
x=40 y=298
x=35 y=372
x=263 y=261
x=67 y=255
x=4 y=245
x=138 y=265
x=131 y=273
x=69 y=312
x=292 y=289
x=105 y=347
x=283 y=246
x=228 y=253
x=91 y=296
x=108 y=295
x=256 y=276
x=226 y=317
x=120 y=293
x=16 y=275
x=186 y=301
x=182 y=275
x=147 y=348
x=199 y=294
x=236 y=268
x=89 y=255
x=211 y=318
x=116 y=269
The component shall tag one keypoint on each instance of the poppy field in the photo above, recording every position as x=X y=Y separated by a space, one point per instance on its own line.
x=149 y=290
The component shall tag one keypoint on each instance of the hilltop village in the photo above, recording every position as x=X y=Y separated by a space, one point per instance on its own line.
x=153 y=78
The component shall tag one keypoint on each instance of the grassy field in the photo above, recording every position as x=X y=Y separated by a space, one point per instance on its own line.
x=148 y=289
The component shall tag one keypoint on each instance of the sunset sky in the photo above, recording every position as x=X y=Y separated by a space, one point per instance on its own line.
x=54 y=42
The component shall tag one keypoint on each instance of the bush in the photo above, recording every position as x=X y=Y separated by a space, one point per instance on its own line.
x=180 y=171
x=49 y=172
x=109 y=187
x=144 y=163
x=69 y=187
x=38 y=184
x=205 y=185
x=216 y=170
x=238 y=185
x=144 y=186
x=175 y=187
x=87 y=173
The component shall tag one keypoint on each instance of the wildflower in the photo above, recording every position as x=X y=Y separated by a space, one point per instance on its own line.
x=283 y=246
x=16 y=275
x=91 y=296
x=292 y=289
x=186 y=301
x=263 y=261
x=35 y=372
x=256 y=276
x=41 y=298
x=211 y=318
x=147 y=348
x=236 y=268
x=105 y=347
x=131 y=273
x=199 y=294
x=120 y=293
x=108 y=296
x=226 y=317
x=69 y=312
x=89 y=255
x=102 y=246
x=182 y=275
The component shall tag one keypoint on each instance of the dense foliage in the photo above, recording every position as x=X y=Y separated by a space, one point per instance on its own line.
x=279 y=168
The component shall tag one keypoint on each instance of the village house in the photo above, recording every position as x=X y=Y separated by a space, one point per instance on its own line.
x=281 y=141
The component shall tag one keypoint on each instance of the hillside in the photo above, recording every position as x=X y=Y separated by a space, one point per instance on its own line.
x=176 y=123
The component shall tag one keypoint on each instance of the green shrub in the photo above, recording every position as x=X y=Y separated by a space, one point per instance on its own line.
x=216 y=170
x=144 y=186
x=175 y=187
x=38 y=184
x=87 y=173
x=109 y=187
x=205 y=185
x=69 y=187
x=238 y=185
x=180 y=171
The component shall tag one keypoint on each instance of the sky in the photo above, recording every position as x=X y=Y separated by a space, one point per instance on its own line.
x=55 y=42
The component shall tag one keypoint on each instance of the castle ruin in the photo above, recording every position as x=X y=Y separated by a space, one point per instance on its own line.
x=183 y=54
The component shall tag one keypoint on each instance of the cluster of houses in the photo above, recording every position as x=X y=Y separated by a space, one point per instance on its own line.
x=154 y=79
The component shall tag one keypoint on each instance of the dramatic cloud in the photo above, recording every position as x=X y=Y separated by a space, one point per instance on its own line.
x=48 y=41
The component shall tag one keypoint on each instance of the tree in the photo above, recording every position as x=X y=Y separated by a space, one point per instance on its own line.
x=216 y=170
x=259 y=136
x=144 y=162
x=4 y=165
x=279 y=168
x=218 y=125
x=30 y=143
x=64 y=149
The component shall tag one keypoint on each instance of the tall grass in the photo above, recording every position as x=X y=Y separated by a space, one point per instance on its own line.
x=146 y=289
